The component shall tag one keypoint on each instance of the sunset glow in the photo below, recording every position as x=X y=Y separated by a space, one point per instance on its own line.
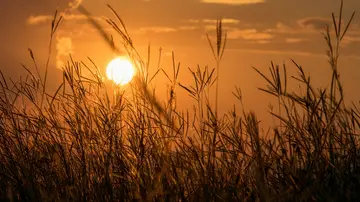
x=180 y=100
x=120 y=70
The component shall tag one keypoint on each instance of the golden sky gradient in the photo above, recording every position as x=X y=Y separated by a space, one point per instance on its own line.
x=259 y=31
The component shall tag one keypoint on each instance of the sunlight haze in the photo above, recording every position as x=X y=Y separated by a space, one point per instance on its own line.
x=258 y=32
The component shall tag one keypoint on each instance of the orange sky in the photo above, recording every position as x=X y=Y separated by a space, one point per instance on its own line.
x=259 y=31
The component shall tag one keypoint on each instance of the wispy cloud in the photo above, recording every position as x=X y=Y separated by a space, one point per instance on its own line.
x=40 y=19
x=248 y=34
x=317 y=23
x=307 y=25
x=213 y=21
x=210 y=27
x=282 y=29
x=279 y=52
x=64 y=47
x=224 y=21
x=188 y=28
x=233 y=2
x=295 y=40
x=157 y=29
x=210 y=24
x=75 y=4
x=193 y=21
x=350 y=39
x=262 y=41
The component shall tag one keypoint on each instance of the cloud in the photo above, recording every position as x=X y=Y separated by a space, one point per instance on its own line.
x=210 y=24
x=248 y=34
x=157 y=29
x=224 y=21
x=193 y=21
x=309 y=25
x=64 y=47
x=350 y=39
x=295 y=40
x=278 y=52
x=41 y=19
x=210 y=27
x=34 y=20
x=188 y=28
x=282 y=28
x=233 y=2
x=81 y=17
x=288 y=53
x=306 y=28
x=316 y=23
x=75 y=4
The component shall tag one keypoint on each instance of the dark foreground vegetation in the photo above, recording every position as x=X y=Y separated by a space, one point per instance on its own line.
x=82 y=143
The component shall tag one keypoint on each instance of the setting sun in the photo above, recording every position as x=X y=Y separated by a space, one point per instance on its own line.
x=120 y=70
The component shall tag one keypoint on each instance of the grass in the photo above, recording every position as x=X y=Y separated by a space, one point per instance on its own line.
x=85 y=143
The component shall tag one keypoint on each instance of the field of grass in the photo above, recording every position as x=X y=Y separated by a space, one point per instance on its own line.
x=89 y=141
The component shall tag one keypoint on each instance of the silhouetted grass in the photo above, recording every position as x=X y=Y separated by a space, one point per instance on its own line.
x=91 y=142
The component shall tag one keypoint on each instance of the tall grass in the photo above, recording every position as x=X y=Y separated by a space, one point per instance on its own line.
x=86 y=143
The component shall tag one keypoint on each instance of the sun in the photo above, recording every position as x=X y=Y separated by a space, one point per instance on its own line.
x=120 y=70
